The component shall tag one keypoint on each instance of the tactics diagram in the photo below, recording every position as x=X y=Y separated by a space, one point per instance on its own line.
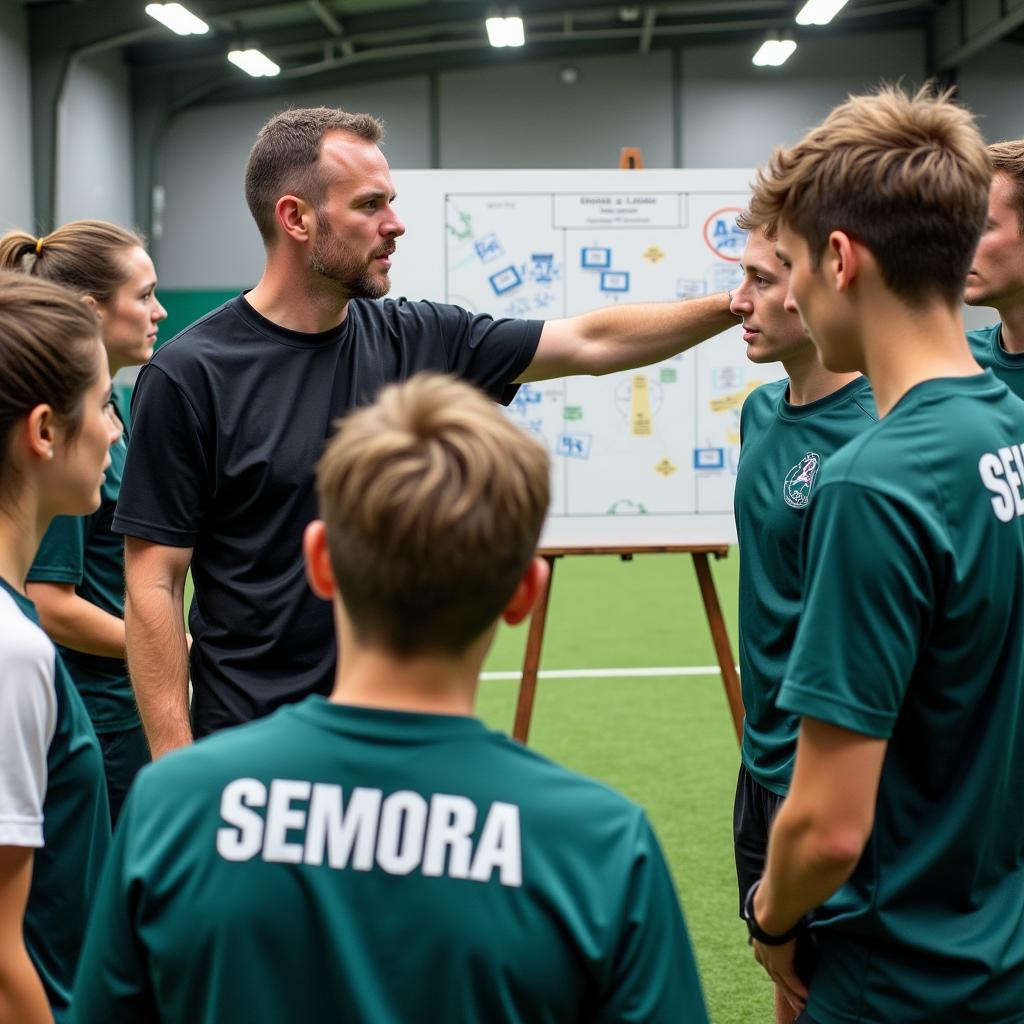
x=661 y=440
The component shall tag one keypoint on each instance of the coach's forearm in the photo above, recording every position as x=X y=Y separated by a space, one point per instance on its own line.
x=158 y=663
x=623 y=337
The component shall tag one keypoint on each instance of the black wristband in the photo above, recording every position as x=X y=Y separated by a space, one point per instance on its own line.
x=756 y=931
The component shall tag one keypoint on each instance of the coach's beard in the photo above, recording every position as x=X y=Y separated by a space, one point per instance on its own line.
x=355 y=276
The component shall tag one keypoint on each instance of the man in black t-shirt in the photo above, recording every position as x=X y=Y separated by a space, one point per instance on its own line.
x=229 y=418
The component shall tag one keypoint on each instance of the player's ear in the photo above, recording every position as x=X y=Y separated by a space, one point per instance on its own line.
x=842 y=260
x=534 y=580
x=318 y=560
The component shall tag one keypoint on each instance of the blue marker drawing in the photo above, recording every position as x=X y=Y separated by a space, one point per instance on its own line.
x=526 y=395
x=505 y=280
x=542 y=268
x=708 y=458
x=574 y=446
x=615 y=280
x=518 y=309
x=488 y=248
x=593 y=258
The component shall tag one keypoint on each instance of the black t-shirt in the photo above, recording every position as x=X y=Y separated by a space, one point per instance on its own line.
x=228 y=421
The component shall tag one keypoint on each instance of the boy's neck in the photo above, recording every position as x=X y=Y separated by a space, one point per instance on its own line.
x=430 y=684
x=904 y=346
x=809 y=381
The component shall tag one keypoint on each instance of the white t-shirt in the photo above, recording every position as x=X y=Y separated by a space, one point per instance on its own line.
x=28 y=720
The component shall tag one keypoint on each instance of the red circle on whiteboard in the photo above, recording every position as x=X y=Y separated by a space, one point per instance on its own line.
x=733 y=239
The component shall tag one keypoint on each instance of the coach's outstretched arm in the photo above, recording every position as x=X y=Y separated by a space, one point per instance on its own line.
x=157 y=645
x=621 y=337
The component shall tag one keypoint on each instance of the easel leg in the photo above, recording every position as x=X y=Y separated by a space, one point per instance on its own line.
x=531 y=662
x=720 y=638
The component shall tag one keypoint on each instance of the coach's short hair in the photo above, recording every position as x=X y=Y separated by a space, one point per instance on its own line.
x=1008 y=158
x=285 y=159
x=433 y=502
x=905 y=175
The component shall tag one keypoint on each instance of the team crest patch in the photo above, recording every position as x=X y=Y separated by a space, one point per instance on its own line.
x=800 y=479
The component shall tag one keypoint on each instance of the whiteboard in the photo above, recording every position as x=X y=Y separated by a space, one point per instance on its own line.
x=642 y=457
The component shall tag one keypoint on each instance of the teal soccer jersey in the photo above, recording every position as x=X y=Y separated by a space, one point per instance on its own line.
x=333 y=862
x=82 y=551
x=911 y=632
x=784 y=448
x=52 y=797
x=986 y=347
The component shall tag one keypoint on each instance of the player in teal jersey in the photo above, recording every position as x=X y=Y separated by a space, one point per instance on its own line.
x=55 y=433
x=904 y=822
x=77 y=579
x=997 y=274
x=789 y=430
x=381 y=854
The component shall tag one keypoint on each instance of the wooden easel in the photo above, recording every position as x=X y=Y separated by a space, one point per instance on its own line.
x=713 y=610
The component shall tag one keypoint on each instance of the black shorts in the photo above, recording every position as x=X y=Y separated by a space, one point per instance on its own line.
x=124 y=754
x=753 y=812
x=752 y=815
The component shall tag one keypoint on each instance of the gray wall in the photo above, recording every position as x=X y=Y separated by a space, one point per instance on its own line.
x=992 y=85
x=527 y=117
x=15 y=120
x=94 y=154
x=735 y=114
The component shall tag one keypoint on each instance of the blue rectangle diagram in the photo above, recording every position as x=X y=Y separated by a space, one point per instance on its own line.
x=505 y=280
x=574 y=446
x=488 y=248
x=594 y=258
x=615 y=280
x=709 y=458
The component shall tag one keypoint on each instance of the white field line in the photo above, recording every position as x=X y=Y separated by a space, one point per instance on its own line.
x=612 y=673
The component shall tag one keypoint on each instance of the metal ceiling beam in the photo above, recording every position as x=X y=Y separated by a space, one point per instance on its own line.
x=647 y=32
x=963 y=28
x=330 y=22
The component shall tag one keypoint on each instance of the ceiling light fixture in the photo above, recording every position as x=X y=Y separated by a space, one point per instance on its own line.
x=178 y=19
x=254 y=63
x=819 y=12
x=505 y=30
x=774 y=52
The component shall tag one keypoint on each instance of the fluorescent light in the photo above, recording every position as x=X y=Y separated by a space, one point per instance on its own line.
x=254 y=63
x=496 y=31
x=774 y=52
x=514 y=32
x=505 y=31
x=819 y=12
x=178 y=19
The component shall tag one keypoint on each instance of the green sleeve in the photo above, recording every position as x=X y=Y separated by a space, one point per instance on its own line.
x=870 y=586
x=61 y=555
x=653 y=977
x=111 y=982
